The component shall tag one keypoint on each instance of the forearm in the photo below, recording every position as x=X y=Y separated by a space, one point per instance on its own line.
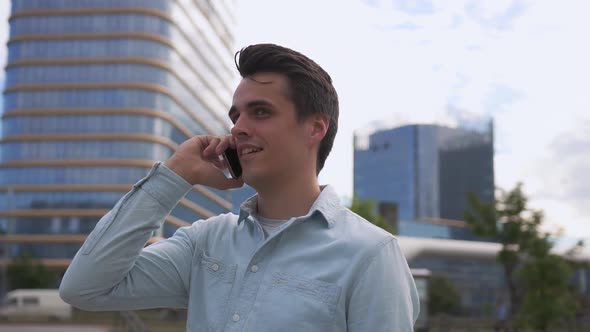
x=100 y=269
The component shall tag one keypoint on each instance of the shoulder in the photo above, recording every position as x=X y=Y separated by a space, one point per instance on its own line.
x=206 y=228
x=351 y=221
x=361 y=234
x=348 y=226
x=219 y=222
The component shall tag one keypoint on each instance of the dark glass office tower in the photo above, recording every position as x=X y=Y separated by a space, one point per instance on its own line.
x=424 y=173
x=96 y=92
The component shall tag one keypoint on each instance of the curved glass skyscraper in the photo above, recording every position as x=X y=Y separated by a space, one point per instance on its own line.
x=97 y=91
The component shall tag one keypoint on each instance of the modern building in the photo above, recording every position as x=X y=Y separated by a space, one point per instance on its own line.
x=421 y=175
x=470 y=266
x=473 y=270
x=97 y=91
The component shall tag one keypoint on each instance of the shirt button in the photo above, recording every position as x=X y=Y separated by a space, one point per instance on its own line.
x=215 y=267
x=254 y=268
x=235 y=317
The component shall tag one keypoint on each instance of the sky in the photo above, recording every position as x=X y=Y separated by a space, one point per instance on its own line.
x=523 y=63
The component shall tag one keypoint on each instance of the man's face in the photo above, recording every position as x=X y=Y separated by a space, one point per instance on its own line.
x=271 y=142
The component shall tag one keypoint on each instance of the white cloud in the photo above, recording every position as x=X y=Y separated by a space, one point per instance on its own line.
x=569 y=156
x=522 y=62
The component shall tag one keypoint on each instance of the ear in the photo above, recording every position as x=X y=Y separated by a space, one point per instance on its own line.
x=318 y=127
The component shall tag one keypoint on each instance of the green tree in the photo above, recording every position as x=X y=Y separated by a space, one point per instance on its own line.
x=443 y=297
x=502 y=220
x=25 y=272
x=548 y=296
x=537 y=281
x=368 y=210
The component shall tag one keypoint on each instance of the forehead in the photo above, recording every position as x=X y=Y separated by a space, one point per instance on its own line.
x=272 y=86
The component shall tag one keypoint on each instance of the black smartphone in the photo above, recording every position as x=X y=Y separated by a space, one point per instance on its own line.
x=233 y=162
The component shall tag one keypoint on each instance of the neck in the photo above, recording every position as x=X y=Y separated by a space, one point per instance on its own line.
x=291 y=198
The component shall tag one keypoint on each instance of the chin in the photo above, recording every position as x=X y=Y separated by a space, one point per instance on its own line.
x=249 y=178
x=256 y=179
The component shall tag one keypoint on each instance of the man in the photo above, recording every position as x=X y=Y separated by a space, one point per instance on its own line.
x=293 y=260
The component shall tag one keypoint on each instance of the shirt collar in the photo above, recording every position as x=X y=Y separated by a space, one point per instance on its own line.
x=326 y=205
x=248 y=207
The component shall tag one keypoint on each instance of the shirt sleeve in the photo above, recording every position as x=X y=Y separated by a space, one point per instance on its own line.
x=113 y=271
x=385 y=297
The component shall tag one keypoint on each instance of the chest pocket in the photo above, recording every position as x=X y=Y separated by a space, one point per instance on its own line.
x=299 y=303
x=211 y=282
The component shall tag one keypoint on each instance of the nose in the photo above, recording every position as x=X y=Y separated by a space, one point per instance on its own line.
x=240 y=128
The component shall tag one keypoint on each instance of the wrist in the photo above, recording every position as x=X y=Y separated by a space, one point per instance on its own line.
x=180 y=168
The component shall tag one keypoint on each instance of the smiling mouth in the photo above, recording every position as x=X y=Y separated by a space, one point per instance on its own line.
x=247 y=151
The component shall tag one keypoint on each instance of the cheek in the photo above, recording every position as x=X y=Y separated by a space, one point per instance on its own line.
x=283 y=150
x=285 y=141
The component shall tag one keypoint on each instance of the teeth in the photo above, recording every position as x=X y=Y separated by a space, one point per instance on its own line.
x=249 y=150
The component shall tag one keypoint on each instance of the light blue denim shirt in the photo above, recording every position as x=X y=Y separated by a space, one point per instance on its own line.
x=329 y=270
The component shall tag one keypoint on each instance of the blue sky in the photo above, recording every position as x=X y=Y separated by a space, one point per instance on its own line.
x=524 y=63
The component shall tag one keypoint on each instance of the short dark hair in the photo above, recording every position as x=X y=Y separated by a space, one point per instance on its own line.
x=311 y=87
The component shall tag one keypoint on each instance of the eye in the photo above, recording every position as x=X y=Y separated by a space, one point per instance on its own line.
x=261 y=112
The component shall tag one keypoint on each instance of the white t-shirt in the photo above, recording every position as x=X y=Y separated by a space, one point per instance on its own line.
x=269 y=226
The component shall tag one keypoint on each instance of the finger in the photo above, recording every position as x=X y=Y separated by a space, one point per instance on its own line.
x=225 y=142
x=232 y=141
x=211 y=145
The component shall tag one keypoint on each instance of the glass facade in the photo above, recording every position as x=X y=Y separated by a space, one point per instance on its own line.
x=60 y=24
x=56 y=225
x=436 y=230
x=480 y=282
x=385 y=170
x=426 y=172
x=97 y=91
x=58 y=199
x=100 y=98
x=91 y=124
x=84 y=150
x=39 y=175
x=465 y=166
x=40 y=49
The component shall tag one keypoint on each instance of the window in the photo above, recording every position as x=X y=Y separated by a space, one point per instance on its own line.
x=12 y=301
x=74 y=225
x=30 y=301
x=55 y=225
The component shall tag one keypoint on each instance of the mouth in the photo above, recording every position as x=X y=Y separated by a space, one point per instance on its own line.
x=249 y=150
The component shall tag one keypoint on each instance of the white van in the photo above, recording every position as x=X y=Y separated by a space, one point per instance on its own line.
x=34 y=304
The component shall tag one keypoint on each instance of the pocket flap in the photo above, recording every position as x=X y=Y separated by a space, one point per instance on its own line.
x=326 y=292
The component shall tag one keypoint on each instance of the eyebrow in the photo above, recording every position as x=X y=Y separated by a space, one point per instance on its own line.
x=251 y=104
